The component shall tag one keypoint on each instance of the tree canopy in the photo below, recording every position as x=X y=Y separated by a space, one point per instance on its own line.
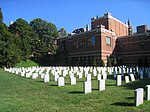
x=22 y=40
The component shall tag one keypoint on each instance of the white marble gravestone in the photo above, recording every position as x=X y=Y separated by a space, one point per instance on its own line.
x=56 y=76
x=118 y=80
x=99 y=77
x=132 y=77
x=22 y=74
x=87 y=87
x=115 y=75
x=88 y=77
x=73 y=80
x=80 y=75
x=104 y=74
x=46 y=78
x=127 y=79
x=61 y=81
x=147 y=92
x=28 y=75
x=34 y=75
x=101 y=84
x=42 y=75
x=139 y=94
x=141 y=74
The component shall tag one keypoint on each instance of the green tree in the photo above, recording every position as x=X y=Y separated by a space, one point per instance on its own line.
x=47 y=33
x=94 y=61
x=24 y=37
x=62 y=32
x=109 y=62
x=102 y=64
x=9 y=51
x=1 y=15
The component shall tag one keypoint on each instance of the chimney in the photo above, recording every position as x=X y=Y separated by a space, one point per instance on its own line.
x=87 y=27
x=142 y=29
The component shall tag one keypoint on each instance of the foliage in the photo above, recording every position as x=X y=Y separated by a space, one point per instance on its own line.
x=102 y=64
x=9 y=51
x=1 y=15
x=62 y=32
x=24 y=37
x=109 y=62
x=94 y=62
x=27 y=63
x=47 y=33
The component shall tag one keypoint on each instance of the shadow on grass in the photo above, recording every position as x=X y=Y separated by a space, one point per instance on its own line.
x=76 y=92
x=39 y=81
x=123 y=104
x=110 y=84
x=53 y=85
x=137 y=84
x=130 y=98
x=95 y=89
x=67 y=83
x=111 y=77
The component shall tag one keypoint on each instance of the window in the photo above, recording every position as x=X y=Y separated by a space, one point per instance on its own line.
x=93 y=41
x=108 y=41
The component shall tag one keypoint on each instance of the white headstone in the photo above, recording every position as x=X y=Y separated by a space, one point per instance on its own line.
x=46 y=78
x=73 y=80
x=115 y=75
x=99 y=77
x=56 y=76
x=118 y=80
x=28 y=75
x=22 y=74
x=80 y=75
x=87 y=87
x=34 y=75
x=127 y=79
x=42 y=75
x=101 y=85
x=138 y=96
x=147 y=92
x=104 y=75
x=61 y=81
x=141 y=74
x=88 y=78
x=132 y=77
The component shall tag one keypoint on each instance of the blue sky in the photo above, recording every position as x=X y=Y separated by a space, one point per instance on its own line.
x=72 y=14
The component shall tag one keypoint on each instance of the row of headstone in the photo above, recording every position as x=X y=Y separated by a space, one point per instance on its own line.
x=88 y=86
x=139 y=95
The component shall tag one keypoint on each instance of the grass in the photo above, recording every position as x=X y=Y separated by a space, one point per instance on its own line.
x=19 y=94
x=27 y=63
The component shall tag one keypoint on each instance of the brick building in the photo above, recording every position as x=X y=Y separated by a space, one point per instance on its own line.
x=108 y=36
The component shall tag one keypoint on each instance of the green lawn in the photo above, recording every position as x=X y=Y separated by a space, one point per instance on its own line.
x=19 y=94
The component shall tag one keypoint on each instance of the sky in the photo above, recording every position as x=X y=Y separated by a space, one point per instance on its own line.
x=73 y=14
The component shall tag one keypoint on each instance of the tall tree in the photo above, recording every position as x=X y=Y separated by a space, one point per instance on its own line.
x=9 y=52
x=62 y=32
x=1 y=15
x=24 y=37
x=47 y=33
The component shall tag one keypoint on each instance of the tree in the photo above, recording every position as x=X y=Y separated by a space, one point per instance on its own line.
x=1 y=15
x=9 y=51
x=62 y=32
x=94 y=61
x=102 y=64
x=47 y=33
x=25 y=36
x=109 y=62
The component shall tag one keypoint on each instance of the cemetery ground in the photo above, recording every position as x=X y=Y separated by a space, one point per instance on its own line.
x=20 y=94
